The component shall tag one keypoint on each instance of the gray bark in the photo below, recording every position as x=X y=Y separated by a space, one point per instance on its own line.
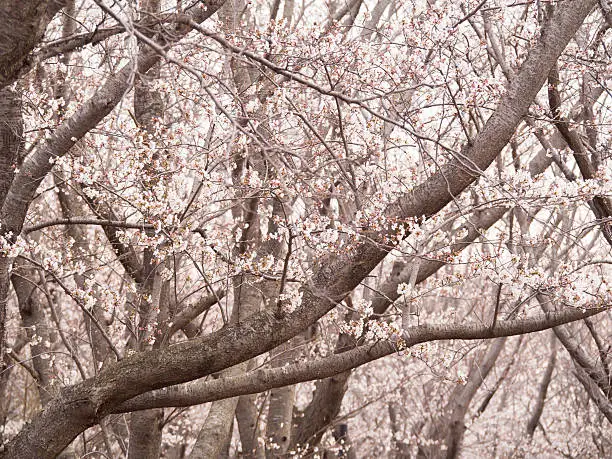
x=23 y=26
x=11 y=137
x=280 y=410
x=11 y=149
x=31 y=299
x=371 y=25
x=247 y=417
x=146 y=426
x=321 y=411
x=145 y=434
x=212 y=439
x=278 y=428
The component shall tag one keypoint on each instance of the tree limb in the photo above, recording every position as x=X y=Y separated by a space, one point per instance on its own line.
x=199 y=392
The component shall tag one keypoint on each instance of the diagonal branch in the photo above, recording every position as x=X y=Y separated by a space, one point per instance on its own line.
x=199 y=392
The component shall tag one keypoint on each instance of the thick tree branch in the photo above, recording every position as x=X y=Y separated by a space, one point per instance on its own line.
x=258 y=381
x=23 y=26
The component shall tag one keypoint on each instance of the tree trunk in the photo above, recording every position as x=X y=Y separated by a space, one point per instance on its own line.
x=247 y=417
x=216 y=431
x=534 y=420
x=24 y=24
x=446 y=433
x=145 y=434
x=280 y=409
x=146 y=426
x=30 y=299
x=11 y=148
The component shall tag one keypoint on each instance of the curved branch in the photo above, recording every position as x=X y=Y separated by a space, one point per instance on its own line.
x=199 y=392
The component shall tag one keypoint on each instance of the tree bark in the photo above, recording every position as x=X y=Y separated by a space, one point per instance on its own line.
x=199 y=392
x=280 y=409
x=30 y=299
x=24 y=24
x=146 y=426
x=247 y=417
x=11 y=150
x=145 y=434
x=214 y=436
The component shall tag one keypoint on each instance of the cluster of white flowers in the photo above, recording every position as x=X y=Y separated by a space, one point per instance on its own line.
x=10 y=248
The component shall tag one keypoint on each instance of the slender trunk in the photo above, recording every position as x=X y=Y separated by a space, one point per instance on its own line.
x=446 y=435
x=278 y=428
x=214 y=436
x=485 y=403
x=216 y=428
x=11 y=148
x=145 y=434
x=280 y=410
x=321 y=411
x=30 y=299
x=371 y=25
x=534 y=420
x=247 y=417
x=146 y=426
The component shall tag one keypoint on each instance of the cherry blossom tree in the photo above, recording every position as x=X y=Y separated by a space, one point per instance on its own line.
x=305 y=229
